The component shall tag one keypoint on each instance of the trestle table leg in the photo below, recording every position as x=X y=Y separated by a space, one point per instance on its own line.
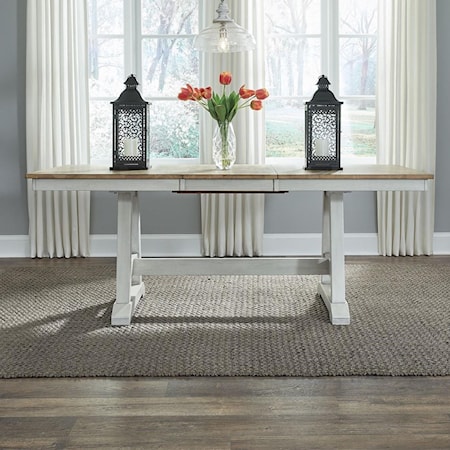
x=332 y=287
x=129 y=288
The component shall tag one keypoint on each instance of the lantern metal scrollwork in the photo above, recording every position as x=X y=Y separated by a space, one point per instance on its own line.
x=323 y=129
x=130 y=117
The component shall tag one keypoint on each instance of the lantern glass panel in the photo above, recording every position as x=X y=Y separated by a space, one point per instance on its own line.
x=323 y=128
x=130 y=126
x=130 y=137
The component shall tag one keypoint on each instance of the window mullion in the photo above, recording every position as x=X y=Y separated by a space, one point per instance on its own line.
x=324 y=36
x=132 y=38
x=330 y=42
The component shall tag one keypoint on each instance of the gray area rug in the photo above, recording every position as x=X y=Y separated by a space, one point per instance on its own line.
x=55 y=322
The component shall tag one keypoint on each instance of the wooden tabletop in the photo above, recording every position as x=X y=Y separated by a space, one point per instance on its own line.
x=238 y=171
x=353 y=172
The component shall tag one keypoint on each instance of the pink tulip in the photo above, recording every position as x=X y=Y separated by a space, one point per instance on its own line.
x=246 y=93
x=256 y=105
x=225 y=78
x=185 y=93
x=206 y=92
x=262 y=94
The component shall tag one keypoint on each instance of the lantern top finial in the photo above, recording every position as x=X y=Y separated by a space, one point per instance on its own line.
x=130 y=95
x=131 y=82
x=323 y=82
x=323 y=95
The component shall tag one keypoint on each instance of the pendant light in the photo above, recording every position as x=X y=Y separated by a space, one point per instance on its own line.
x=225 y=35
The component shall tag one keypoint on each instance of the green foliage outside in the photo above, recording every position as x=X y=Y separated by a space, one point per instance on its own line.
x=174 y=131
x=284 y=139
x=287 y=139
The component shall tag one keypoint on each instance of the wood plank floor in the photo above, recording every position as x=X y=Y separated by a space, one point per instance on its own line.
x=226 y=413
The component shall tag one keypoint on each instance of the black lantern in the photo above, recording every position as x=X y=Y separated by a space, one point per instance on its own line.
x=323 y=129
x=130 y=112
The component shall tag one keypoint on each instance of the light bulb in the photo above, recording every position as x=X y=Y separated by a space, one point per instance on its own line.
x=223 y=45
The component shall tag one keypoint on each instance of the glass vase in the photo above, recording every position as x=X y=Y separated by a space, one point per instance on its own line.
x=224 y=145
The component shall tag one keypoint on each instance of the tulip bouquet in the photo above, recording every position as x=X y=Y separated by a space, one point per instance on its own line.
x=223 y=108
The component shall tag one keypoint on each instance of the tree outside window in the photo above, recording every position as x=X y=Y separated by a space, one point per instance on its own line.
x=304 y=38
x=308 y=38
x=153 y=40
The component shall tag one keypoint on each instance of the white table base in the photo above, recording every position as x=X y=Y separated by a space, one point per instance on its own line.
x=131 y=266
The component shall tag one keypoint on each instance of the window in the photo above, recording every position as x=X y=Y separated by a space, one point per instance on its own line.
x=357 y=74
x=304 y=39
x=153 y=40
x=308 y=38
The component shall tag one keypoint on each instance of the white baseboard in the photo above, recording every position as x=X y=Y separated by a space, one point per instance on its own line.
x=308 y=244
x=441 y=244
x=274 y=244
x=151 y=245
x=14 y=246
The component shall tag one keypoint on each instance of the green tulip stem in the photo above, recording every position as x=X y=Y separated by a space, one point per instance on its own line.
x=223 y=127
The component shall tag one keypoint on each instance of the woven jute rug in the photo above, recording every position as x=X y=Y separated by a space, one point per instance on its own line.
x=55 y=322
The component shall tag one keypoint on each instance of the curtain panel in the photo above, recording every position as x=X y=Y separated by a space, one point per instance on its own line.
x=57 y=121
x=233 y=224
x=406 y=121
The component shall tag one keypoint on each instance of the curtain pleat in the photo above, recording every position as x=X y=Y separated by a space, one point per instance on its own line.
x=233 y=224
x=406 y=121
x=57 y=122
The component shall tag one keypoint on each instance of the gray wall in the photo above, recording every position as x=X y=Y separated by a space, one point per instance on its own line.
x=13 y=205
x=442 y=223
x=294 y=212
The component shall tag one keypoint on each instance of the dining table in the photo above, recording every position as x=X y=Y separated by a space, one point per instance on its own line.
x=193 y=178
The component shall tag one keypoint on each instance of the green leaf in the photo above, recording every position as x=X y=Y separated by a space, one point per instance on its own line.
x=229 y=104
x=212 y=109
x=221 y=112
x=233 y=105
x=232 y=114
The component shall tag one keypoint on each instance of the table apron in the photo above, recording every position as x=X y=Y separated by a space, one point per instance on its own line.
x=235 y=185
x=231 y=266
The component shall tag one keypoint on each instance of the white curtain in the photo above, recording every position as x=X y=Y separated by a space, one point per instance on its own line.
x=233 y=224
x=57 y=122
x=406 y=124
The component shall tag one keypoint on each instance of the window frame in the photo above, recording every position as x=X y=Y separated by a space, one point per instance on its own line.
x=132 y=64
x=330 y=38
x=330 y=65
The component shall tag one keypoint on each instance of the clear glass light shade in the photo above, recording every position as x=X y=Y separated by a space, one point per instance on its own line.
x=224 y=37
